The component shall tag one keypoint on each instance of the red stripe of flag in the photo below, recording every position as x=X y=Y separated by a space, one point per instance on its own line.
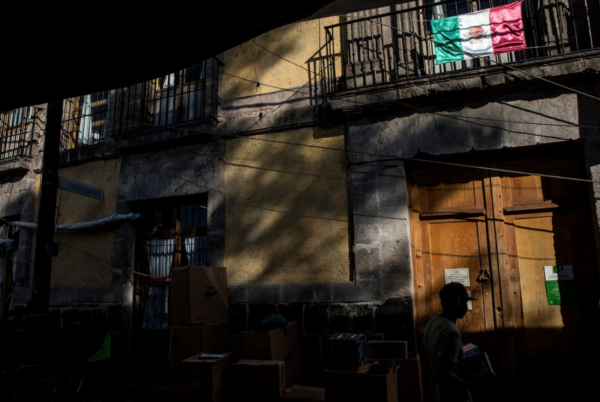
x=506 y=26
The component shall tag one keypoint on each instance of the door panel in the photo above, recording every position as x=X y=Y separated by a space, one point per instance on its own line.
x=456 y=244
x=550 y=331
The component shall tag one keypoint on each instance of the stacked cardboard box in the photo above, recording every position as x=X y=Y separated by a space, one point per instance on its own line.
x=279 y=344
x=410 y=382
x=199 y=314
x=202 y=377
x=258 y=380
x=346 y=352
x=299 y=393
x=372 y=382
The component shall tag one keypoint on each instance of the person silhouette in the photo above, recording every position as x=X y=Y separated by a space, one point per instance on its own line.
x=443 y=347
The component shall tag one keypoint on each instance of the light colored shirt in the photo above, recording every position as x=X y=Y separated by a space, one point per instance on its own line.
x=443 y=339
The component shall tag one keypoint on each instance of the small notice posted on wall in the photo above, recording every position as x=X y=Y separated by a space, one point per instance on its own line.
x=560 y=285
x=460 y=275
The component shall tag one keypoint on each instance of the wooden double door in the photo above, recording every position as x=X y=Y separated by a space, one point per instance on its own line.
x=505 y=228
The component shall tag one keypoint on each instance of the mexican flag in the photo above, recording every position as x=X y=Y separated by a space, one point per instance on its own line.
x=482 y=33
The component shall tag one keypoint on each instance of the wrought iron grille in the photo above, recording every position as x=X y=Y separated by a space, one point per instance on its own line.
x=398 y=45
x=85 y=119
x=16 y=132
x=185 y=96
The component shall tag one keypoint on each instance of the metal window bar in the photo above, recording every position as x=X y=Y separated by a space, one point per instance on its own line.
x=85 y=119
x=178 y=237
x=184 y=96
x=16 y=132
x=395 y=46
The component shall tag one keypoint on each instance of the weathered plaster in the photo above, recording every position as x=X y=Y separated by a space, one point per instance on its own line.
x=297 y=43
x=286 y=209
x=85 y=257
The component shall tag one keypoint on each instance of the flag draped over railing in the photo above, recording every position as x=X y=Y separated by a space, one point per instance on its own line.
x=479 y=34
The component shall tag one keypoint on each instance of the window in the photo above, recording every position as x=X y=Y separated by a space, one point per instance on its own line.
x=173 y=235
x=15 y=132
x=9 y=236
x=179 y=96
x=85 y=119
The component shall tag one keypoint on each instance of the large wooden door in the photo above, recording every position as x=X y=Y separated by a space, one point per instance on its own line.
x=508 y=227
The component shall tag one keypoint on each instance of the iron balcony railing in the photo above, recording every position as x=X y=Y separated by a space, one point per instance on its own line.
x=398 y=45
x=186 y=96
x=16 y=132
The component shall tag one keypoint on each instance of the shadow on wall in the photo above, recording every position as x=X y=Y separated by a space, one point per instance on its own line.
x=287 y=208
x=295 y=42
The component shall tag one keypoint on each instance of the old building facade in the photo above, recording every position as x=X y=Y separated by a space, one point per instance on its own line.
x=336 y=172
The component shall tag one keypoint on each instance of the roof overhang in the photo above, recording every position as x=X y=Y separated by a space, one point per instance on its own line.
x=55 y=49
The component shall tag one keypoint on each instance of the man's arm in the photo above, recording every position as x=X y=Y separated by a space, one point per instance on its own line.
x=449 y=349
x=444 y=371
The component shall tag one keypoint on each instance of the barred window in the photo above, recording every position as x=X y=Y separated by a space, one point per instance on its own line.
x=16 y=128
x=175 y=236
x=85 y=119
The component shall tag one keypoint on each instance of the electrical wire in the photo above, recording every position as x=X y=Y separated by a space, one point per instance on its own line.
x=384 y=155
x=461 y=118
x=372 y=153
x=389 y=156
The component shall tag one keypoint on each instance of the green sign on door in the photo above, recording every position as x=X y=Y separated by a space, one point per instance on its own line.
x=560 y=285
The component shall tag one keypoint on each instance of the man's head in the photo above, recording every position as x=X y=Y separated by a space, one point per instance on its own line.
x=454 y=298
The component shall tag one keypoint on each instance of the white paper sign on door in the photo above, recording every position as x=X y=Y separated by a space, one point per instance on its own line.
x=460 y=275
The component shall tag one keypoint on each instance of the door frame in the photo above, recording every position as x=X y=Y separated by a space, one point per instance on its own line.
x=508 y=320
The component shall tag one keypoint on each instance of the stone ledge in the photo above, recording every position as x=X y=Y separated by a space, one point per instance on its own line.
x=363 y=290
x=87 y=153
x=197 y=131
x=15 y=166
x=476 y=79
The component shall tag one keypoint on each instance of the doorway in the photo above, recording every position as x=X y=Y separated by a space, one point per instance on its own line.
x=502 y=229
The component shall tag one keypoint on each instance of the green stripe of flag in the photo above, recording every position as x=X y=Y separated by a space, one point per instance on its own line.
x=448 y=45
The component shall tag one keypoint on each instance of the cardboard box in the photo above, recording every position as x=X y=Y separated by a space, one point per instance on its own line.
x=190 y=340
x=235 y=346
x=301 y=393
x=346 y=352
x=203 y=378
x=276 y=344
x=386 y=350
x=194 y=389
x=206 y=364
x=378 y=384
x=258 y=379
x=373 y=383
x=410 y=380
x=198 y=295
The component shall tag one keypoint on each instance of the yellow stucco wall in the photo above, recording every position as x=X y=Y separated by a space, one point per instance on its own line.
x=287 y=208
x=297 y=42
x=85 y=256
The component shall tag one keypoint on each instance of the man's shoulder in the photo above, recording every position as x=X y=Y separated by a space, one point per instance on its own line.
x=441 y=323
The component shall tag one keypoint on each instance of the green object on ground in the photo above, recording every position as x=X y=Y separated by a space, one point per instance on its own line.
x=103 y=353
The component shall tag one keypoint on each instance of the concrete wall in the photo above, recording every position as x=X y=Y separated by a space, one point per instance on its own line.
x=509 y=121
x=286 y=214
x=299 y=43
x=85 y=257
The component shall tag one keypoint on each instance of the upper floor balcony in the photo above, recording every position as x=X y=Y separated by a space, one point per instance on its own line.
x=188 y=96
x=378 y=48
